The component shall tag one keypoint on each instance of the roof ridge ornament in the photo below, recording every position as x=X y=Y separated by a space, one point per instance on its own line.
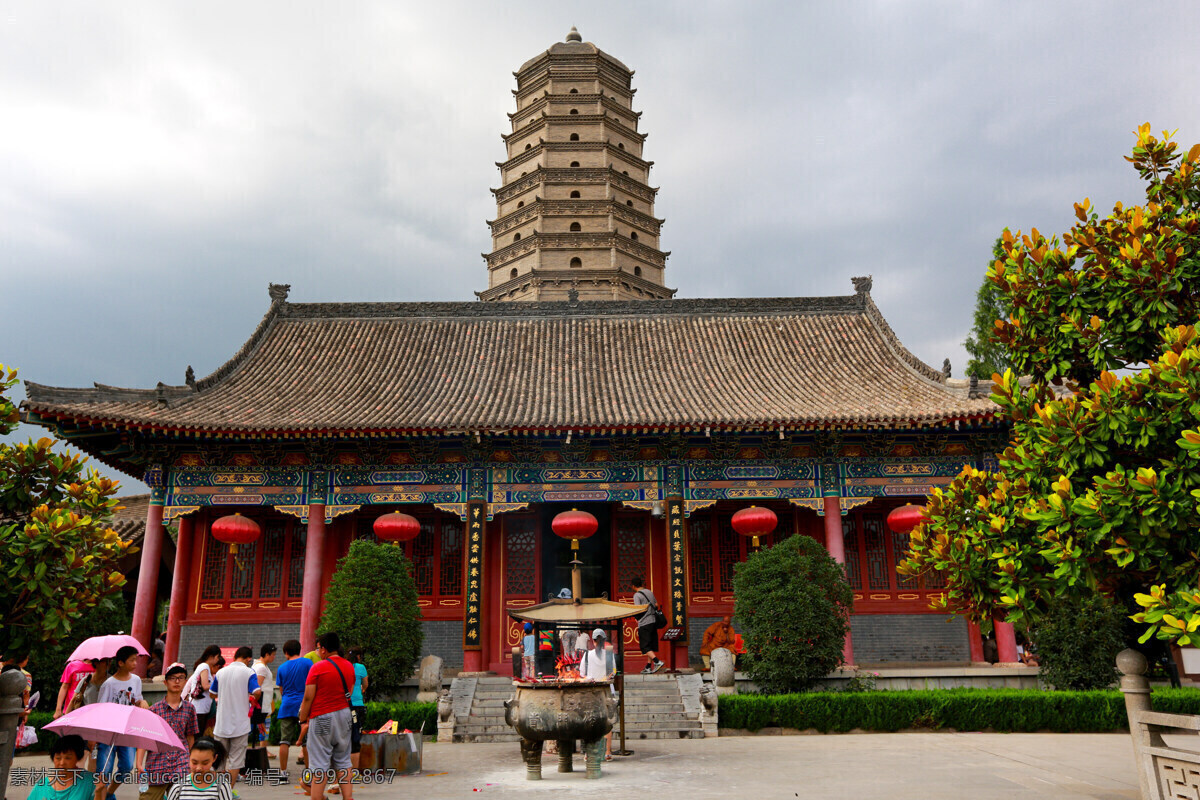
x=574 y=36
x=189 y=377
x=278 y=291
x=862 y=285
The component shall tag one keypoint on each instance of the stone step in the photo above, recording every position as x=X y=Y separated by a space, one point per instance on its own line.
x=488 y=702
x=637 y=716
x=489 y=695
x=660 y=727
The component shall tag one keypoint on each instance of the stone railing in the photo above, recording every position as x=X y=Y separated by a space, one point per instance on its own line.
x=1164 y=772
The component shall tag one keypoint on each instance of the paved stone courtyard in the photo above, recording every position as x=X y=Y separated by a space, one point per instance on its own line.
x=912 y=766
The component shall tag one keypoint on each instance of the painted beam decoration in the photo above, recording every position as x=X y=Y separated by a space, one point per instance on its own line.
x=677 y=564
x=472 y=629
x=877 y=477
x=751 y=481
x=383 y=486
x=190 y=488
x=576 y=484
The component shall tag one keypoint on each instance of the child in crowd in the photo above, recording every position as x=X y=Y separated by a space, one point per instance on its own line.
x=529 y=643
x=205 y=781
x=115 y=762
x=67 y=782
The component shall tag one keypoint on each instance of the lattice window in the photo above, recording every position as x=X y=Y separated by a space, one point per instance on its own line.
x=875 y=539
x=241 y=585
x=850 y=542
x=899 y=548
x=270 y=582
x=422 y=556
x=214 y=568
x=632 y=548
x=520 y=562
x=365 y=530
x=934 y=580
x=728 y=553
x=451 y=568
x=700 y=553
x=295 y=587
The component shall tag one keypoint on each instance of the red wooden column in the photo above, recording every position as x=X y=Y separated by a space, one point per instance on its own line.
x=147 y=585
x=179 y=583
x=975 y=641
x=836 y=545
x=314 y=567
x=1006 y=642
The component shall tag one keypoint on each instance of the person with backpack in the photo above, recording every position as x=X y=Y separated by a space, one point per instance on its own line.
x=196 y=689
x=647 y=624
x=326 y=714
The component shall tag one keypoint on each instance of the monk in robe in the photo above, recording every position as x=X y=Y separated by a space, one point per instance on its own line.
x=719 y=634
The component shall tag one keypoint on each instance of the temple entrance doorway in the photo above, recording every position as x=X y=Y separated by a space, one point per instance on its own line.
x=595 y=552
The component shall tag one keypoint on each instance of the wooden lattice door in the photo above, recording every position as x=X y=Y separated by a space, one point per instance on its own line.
x=630 y=558
x=520 y=572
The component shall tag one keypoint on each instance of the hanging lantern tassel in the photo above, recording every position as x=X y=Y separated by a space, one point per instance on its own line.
x=754 y=522
x=396 y=527
x=574 y=525
x=234 y=530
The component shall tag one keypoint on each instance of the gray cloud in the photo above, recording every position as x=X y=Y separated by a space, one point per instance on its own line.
x=161 y=162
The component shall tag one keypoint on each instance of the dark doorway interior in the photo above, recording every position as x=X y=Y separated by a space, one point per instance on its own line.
x=595 y=552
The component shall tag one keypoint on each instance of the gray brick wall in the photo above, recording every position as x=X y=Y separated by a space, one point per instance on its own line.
x=444 y=638
x=880 y=638
x=194 y=638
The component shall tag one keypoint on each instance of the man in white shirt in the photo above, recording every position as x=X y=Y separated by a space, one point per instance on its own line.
x=232 y=688
x=266 y=682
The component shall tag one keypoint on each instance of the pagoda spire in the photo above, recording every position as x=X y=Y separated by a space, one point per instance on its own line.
x=575 y=211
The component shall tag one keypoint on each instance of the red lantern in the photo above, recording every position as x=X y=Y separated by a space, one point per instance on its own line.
x=574 y=525
x=234 y=530
x=396 y=527
x=754 y=521
x=905 y=518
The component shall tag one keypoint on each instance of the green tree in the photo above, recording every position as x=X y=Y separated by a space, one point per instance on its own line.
x=1077 y=643
x=1097 y=491
x=47 y=662
x=372 y=604
x=988 y=356
x=58 y=556
x=793 y=608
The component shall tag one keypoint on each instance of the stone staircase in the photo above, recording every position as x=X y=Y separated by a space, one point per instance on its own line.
x=656 y=707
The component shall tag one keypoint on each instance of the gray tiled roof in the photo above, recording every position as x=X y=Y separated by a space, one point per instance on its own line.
x=439 y=367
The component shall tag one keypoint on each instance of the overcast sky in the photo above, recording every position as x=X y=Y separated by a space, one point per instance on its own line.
x=161 y=162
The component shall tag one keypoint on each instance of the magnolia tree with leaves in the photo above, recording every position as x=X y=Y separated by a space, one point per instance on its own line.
x=1098 y=491
x=58 y=555
x=988 y=356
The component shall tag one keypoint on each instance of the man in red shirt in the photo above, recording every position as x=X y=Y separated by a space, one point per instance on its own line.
x=325 y=712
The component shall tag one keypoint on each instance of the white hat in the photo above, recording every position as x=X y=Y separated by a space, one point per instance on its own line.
x=598 y=634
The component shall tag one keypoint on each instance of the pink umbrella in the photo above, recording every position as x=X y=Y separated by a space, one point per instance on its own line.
x=105 y=647
x=111 y=723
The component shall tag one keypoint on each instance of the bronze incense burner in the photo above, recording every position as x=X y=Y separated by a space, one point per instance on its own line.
x=563 y=712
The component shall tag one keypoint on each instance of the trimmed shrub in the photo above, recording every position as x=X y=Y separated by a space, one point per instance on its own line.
x=414 y=716
x=372 y=604
x=1078 y=642
x=792 y=605
x=1002 y=710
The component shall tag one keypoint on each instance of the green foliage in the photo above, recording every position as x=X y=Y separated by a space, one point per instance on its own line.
x=1003 y=710
x=792 y=606
x=58 y=557
x=372 y=604
x=1097 y=491
x=46 y=663
x=414 y=716
x=988 y=356
x=1078 y=642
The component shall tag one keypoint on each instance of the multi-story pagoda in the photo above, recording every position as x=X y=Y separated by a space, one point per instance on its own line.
x=575 y=211
x=661 y=417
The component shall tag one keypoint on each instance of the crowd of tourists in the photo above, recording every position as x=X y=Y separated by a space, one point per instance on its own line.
x=222 y=712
